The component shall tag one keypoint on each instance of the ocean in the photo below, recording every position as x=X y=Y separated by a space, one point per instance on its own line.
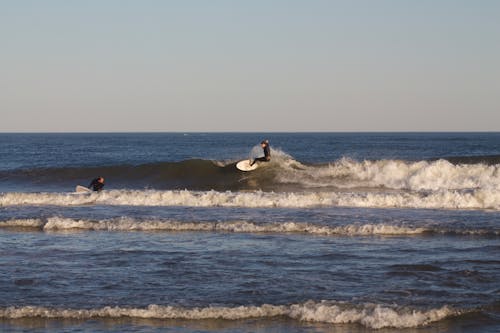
x=339 y=232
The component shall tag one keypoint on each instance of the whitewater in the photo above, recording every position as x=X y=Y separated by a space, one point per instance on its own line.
x=442 y=199
x=384 y=183
x=57 y=223
x=369 y=315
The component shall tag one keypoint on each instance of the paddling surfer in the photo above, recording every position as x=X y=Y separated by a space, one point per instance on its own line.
x=97 y=184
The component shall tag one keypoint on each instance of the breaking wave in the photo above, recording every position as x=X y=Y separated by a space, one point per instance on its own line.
x=283 y=173
x=195 y=174
x=442 y=199
x=369 y=315
x=129 y=224
x=394 y=174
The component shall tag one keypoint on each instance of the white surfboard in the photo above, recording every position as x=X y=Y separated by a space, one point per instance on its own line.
x=82 y=189
x=245 y=165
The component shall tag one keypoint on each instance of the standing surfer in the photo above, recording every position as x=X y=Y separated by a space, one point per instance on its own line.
x=267 y=153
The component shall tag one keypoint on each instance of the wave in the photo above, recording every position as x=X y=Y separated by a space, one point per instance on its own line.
x=195 y=174
x=129 y=224
x=369 y=315
x=393 y=174
x=283 y=173
x=443 y=199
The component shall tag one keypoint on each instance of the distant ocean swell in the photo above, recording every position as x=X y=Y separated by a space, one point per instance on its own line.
x=369 y=315
x=129 y=224
x=282 y=173
x=440 y=199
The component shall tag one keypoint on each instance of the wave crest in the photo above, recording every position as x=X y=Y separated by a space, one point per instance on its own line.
x=443 y=199
x=369 y=315
x=129 y=224
x=282 y=173
x=394 y=174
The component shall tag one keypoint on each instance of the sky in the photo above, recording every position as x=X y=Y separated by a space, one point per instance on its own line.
x=259 y=65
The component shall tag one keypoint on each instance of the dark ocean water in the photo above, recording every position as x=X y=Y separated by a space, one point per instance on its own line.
x=340 y=232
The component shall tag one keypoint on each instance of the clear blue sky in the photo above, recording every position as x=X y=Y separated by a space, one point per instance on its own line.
x=259 y=65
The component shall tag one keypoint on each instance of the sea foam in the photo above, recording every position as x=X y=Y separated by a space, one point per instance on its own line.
x=392 y=174
x=369 y=315
x=441 y=199
x=125 y=224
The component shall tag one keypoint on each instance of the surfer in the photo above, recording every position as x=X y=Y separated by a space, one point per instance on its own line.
x=97 y=184
x=267 y=153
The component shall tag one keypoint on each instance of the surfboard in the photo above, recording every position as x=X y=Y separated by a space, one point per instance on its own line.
x=245 y=165
x=82 y=189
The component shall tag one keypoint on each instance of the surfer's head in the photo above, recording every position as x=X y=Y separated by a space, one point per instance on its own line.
x=100 y=180
x=264 y=143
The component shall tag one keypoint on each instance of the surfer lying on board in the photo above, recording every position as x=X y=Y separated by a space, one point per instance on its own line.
x=267 y=153
x=97 y=184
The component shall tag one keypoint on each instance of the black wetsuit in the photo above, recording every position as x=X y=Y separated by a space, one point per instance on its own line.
x=267 y=155
x=267 y=152
x=95 y=185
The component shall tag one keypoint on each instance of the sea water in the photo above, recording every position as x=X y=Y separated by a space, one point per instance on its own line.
x=340 y=232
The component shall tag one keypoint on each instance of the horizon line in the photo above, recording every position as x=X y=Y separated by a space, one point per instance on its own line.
x=243 y=132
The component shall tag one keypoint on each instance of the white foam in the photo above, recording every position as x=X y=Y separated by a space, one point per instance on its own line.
x=23 y=223
x=441 y=199
x=394 y=174
x=128 y=224
x=57 y=223
x=369 y=315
